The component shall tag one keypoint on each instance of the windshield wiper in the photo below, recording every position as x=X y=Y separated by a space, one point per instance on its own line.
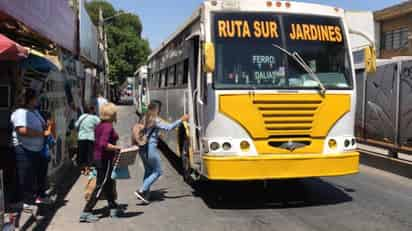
x=295 y=56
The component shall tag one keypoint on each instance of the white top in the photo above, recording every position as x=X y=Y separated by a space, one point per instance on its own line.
x=32 y=120
x=100 y=102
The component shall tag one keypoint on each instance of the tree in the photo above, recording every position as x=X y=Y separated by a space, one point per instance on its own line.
x=93 y=10
x=127 y=50
x=129 y=22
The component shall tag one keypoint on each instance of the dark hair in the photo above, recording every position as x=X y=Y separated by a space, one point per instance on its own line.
x=99 y=92
x=29 y=95
x=46 y=115
x=90 y=108
x=155 y=104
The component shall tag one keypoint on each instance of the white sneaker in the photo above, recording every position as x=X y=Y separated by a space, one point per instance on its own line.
x=141 y=196
x=45 y=201
x=29 y=208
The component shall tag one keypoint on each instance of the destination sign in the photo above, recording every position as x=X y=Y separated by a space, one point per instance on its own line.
x=267 y=27
x=313 y=32
x=242 y=29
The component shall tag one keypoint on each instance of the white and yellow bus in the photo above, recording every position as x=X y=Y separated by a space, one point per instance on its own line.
x=140 y=90
x=269 y=86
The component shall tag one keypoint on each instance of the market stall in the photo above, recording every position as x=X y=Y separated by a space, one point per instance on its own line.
x=10 y=55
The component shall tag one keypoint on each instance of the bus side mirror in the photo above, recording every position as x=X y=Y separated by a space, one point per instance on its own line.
x=209 y=56
x=370 y=59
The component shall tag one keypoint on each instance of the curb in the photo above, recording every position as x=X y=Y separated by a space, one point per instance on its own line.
x=395 y=166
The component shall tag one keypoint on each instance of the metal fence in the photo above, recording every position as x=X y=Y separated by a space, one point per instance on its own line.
x=384 y=108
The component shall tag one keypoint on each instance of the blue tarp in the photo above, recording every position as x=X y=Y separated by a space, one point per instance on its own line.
x=38 y=63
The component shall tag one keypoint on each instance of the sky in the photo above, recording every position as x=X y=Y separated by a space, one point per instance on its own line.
x=161 y=18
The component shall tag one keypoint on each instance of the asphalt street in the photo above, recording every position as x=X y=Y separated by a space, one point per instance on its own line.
x=372 y=200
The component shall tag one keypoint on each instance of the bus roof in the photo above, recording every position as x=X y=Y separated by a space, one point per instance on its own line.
x=254 y=6
x=195 y=16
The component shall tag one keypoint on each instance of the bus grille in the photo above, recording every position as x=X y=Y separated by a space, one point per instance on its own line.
x=288 y=118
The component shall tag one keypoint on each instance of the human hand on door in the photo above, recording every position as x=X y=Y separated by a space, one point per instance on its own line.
x=185 y=118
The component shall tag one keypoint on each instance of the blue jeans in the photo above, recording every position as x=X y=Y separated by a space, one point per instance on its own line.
x=152 y=166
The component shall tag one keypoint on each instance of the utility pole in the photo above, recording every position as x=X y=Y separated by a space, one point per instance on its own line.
x=104 y=82
x=106 y=64
x=103 y=45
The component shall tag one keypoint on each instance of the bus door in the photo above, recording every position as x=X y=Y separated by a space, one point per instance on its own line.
x=196 y=107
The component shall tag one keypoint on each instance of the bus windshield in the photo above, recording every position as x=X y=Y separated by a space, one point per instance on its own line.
x=247 y=57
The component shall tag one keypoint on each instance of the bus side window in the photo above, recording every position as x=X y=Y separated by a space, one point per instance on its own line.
x=157 y=80
x=185 y=72
x=163 y=79
x=150 y=81
x=179 y=74
x=171 y=77
x=204 y=87
x=144 y=83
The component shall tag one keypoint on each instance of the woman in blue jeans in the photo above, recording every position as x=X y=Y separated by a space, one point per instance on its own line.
x=151 y=126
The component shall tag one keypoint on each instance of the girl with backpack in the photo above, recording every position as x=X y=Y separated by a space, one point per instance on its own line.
x=146 y=135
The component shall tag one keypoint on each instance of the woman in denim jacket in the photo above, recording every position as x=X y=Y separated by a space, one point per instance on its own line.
x=151 y=126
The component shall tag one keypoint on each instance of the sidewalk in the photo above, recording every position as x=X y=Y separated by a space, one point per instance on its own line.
x=67 y=217
x=173 y=207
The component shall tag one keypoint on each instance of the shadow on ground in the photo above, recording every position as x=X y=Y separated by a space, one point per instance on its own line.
x=274 y=194
x=59 y=193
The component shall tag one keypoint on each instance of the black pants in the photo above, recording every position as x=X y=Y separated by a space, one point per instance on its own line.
x=85 y=153
x=104 y=184
x=8 y=165
x=31 y=169
x=41 y=167
x=26 y=177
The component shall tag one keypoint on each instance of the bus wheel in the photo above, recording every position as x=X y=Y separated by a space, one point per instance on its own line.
x=186 y=167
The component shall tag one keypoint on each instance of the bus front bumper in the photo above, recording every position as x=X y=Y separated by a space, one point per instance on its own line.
x=265 y=167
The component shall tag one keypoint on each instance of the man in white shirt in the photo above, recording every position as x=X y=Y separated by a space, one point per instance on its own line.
x=100 y=102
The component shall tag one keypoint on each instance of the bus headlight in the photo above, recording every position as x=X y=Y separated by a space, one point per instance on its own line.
x=341 y=144
x=214 y=146
x=333 y=144
x=347 y=143
x=230 y=147
x=244 y=146
x=226 y=146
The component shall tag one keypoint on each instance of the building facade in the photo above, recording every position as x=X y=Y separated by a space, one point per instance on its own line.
x=394 y=30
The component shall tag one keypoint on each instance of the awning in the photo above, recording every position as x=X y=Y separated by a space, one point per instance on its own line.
x=39 y=62
x=10 y=50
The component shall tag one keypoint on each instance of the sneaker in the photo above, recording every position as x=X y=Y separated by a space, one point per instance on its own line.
x=142 y=197
x=29 y=208
x=43 y=200
x=88 y=218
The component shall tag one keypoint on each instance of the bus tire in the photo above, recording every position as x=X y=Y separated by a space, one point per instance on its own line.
x=186 y=166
